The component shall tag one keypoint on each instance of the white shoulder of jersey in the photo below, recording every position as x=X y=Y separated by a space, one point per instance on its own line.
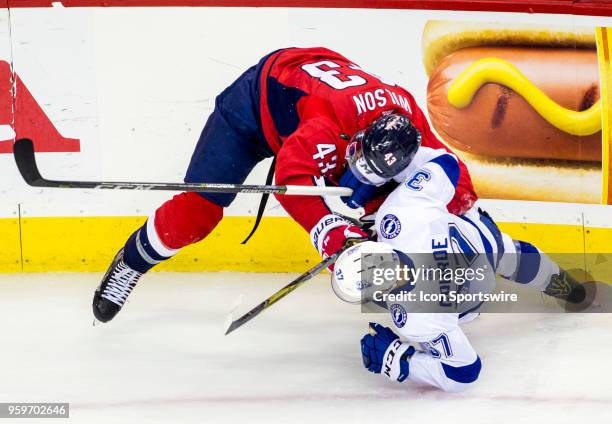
x=408 y=215
x=422 y=156
x=429 y=180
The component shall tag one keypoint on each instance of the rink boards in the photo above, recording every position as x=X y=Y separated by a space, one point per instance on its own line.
x=127 y=104
x=40 y=244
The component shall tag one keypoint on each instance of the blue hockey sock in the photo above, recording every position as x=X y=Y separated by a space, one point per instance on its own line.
x=139 y=252
x=525 y=264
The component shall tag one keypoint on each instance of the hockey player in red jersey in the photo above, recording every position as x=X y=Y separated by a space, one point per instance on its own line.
x=303 y=106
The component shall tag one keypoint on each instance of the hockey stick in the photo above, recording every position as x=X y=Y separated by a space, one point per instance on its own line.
x=239 y=322
x=23 y=150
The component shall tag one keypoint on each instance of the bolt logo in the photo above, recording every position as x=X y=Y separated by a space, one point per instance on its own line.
x=399 y=315
x=390 y=226
x=21 y=113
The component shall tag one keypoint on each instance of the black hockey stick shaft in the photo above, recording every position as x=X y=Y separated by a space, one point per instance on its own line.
x=239 y=322
x=23 y=151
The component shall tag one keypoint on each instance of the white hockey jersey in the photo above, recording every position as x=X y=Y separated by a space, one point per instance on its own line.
x=414 y=220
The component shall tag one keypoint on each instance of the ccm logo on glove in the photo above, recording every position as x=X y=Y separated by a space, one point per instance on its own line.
x=391 y=352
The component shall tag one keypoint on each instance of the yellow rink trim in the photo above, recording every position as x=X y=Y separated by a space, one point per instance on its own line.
x=280 y=245
x=10 y=245
x=604 y=44
x=89 y=243
x=550 y=238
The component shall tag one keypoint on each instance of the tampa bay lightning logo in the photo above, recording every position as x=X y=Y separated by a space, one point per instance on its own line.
x=399 y=315
x=390 y=226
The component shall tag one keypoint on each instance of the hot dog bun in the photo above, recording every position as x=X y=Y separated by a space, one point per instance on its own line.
x=538 y=180
x=525 y=142
x=441 y=38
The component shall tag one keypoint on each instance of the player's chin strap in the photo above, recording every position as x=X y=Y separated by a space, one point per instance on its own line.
x=262 y=202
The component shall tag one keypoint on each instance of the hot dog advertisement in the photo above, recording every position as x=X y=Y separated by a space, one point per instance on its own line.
x=522 y=105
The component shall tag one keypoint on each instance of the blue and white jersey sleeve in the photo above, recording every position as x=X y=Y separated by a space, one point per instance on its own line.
x=428 y=183
x=410 y=214
x=407 y=218
x=451 y=364
x=446 y=358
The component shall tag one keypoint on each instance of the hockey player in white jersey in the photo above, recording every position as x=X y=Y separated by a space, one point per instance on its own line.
x=414 y=220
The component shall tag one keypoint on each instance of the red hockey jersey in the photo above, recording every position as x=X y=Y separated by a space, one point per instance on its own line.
x=311 y=102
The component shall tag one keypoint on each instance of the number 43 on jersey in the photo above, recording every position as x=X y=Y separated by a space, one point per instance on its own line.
x=325 y=157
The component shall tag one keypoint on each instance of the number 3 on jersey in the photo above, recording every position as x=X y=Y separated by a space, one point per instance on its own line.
x=332 y=76
x=325 y=164
x=418 y=179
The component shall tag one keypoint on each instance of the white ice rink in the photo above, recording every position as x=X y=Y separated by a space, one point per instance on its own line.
x=165 y=359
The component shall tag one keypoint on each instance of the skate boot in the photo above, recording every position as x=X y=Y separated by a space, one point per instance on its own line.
x=116 y=286
x=563 y=286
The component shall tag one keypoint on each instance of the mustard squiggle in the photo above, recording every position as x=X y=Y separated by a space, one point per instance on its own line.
x=494 y=70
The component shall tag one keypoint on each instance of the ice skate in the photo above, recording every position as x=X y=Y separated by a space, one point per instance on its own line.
x=113 y=291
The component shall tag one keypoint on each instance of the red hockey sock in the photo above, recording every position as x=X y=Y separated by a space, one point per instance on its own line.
x=186 y=219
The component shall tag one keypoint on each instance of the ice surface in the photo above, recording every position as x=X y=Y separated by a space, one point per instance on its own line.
x=164 y=359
